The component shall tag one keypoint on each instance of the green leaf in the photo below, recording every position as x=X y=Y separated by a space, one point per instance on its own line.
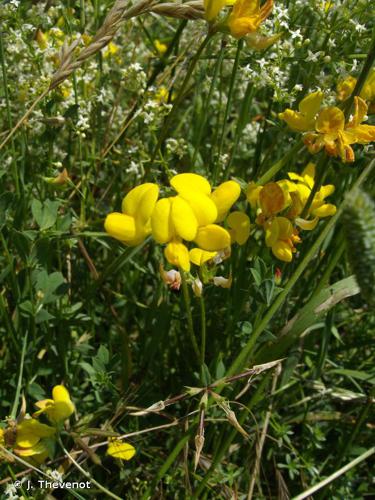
x=45 y=214
x=364 y=376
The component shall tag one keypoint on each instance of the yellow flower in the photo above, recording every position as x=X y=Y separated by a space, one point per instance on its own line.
x=120 y=449
x=57 y=409
x=346 y=86
x=213 y=7
x=27 y=439
x=41 y=39
x=336 y=136
x=190 y=216
x=177 y=254
x=133 y=224
x=224 y=196
x=304 y=119
x=199 y=257
x=280 y=236
x=160 y=47
x=110 y=50
x=247 y=16
x=239 y=224
x=300 y=190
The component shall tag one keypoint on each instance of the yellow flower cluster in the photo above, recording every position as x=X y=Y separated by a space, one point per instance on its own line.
x=26 y=437
x=326 y=127
x=346 y=86
x=193 y=215
x=244 y=19
x=280 y=206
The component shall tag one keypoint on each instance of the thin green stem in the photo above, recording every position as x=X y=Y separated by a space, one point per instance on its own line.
x=335 y=475
x=203 y=329
x=190 y=326
x=13 y=413
x=228 y=107
x=86 y=474
x=276 y=167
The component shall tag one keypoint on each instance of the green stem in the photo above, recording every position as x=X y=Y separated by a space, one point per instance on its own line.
x=274 y=169
x=203 y=329
x=243 y=356
x=186 y=295
x=13 y=413
x=86 y=474
x=205 y=111
x=228 y=106
x=335 y=475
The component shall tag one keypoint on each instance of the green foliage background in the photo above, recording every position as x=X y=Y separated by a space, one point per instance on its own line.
x=77 y=307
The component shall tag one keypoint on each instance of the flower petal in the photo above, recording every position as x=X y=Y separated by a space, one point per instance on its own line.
x=240 y=223
x=271 y=198
x=184 y=221
x=30 y=431
x=307 y=225
x=310 y=105
x=177 y=254
x=282 y=251
x=204 y=208
x=212 y=238
x=198 y=256
x=162 y=229
x=190 y=183
x=330 y=120
x=140 y=201
x=120 y=226
x=120 y=449
x=325 y=210
x=224 y=197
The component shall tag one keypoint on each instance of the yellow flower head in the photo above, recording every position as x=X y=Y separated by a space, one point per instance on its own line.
x=161 y=48
x=120 y=449
x=280 y=236
x=303 y=119
x=28 y=442
x=336 y=136
x=300 y=189
x=191 y=215
x=346 y=86
x=247 y=16
x=133 y=224
x=57 y=409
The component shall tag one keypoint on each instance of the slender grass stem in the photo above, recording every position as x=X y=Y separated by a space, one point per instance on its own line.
x=13 y=412
x=189 y=316
x=335 y=475
x=203 y=329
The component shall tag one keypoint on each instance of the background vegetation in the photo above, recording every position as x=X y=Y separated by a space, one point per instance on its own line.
x=79 y=308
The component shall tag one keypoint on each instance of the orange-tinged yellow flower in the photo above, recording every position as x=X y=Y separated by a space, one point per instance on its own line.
x=346 y=86
x=133 y=224
x=303 y=119
x=336 y=136
x=280 y=236
x=213 y=7
x=57 y=409
x=247 y=16
x=300 y=190
x=120 y=449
